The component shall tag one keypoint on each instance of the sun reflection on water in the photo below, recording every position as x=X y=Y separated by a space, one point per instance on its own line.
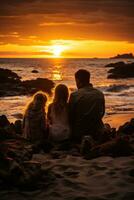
x=57 y=73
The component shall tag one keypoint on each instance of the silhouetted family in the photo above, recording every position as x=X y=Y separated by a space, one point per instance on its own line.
x=68 y=118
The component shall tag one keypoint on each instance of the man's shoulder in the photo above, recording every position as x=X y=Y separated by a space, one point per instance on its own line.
x=87 y=91
x=75 y=93
x=73 y=96
x=99 y=92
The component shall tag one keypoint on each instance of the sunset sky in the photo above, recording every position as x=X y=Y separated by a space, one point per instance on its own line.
x=66 y=28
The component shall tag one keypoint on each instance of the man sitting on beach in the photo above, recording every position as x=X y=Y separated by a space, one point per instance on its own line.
x=86 y=108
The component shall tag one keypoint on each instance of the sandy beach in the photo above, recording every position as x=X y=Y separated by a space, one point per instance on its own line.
x=66 y=175
x=74 y=178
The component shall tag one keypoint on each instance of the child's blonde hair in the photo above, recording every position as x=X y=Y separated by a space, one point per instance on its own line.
x=39 y=100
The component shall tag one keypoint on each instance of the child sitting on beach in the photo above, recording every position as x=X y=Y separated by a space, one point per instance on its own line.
x=58 y=121
x=34 y=121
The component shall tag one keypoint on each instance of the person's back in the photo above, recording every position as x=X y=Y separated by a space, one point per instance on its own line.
x=87 y=107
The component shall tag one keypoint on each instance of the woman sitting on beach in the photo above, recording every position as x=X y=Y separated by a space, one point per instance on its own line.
x=59 y=129
x=34 y=121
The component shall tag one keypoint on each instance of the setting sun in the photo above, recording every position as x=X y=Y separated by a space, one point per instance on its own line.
x=57 y=50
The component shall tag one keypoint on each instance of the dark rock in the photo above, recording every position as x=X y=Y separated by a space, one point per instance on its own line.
x=6 y=129
x=108 y=134
x=117 y=64
x=15 y=89
x=34 y=71
x=4 y=121
x=18 y=149
x=127 y=128
x=86 y=145
x=125 y=55
x=116 y=147
x=11 y=84
x=7 y=76
x=11 y=172
x=122 y=71
x=43 y=84
x=24 y=176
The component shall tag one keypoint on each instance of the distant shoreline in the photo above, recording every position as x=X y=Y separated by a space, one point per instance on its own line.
x=60 y=58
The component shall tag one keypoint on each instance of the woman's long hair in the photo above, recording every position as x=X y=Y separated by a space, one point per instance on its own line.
x=60 y=98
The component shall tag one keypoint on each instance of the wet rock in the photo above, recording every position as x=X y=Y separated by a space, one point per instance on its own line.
x=35 y=71
x=121 y=70
x=117 y=64
x=11 y=84
x=7 y=76
x=43 y=84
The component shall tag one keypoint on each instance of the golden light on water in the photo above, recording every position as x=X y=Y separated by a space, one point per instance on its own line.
x=57 y=73
x=57 y=76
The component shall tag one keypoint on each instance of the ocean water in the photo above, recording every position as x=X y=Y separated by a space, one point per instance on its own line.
x=118 y=101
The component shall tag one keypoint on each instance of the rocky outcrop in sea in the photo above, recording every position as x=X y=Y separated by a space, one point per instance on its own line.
x=11 y=84
x=125 y=55
x=120 y=70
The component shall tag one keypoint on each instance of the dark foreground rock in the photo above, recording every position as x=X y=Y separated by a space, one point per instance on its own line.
x=11 y=84
x=121 y=70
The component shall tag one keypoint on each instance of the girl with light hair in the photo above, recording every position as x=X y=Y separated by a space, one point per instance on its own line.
x=34 y=121
x=59 y=129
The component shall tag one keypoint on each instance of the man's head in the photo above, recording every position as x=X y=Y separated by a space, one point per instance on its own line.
x=82 y=78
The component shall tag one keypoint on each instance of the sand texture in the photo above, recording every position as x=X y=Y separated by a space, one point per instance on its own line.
x=74 y=178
